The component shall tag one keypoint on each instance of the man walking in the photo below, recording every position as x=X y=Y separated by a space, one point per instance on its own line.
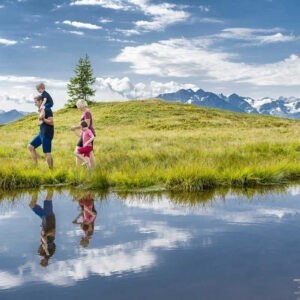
x=45 y=135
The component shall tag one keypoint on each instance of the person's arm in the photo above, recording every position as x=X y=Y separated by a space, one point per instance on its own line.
x=74 y=127
x=90 y=211
x=45 y=246
x=77 y=133
x=49 y=121
x=89 y=141
x=75 y=221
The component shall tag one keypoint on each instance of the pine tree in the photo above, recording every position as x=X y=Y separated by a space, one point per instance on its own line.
x=79 y=86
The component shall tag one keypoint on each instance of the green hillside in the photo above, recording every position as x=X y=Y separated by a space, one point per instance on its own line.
x=158 y=144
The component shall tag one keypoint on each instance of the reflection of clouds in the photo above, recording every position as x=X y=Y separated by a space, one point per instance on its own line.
x=80 y=232
x=107 y=261
x=8 y=215
x=249 y=214
x=136 y=254
x=294 y=190
x=8 y=280
x=278 y=213
x=3 y=249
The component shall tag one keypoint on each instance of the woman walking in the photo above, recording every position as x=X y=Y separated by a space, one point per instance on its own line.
x=87 y=117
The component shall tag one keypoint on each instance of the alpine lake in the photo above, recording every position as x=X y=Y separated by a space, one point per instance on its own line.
x=217 y=244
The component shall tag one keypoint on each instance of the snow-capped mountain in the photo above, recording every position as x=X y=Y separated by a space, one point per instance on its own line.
x=281 y=107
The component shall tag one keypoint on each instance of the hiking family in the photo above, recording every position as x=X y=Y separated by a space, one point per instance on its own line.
x=85 y=219
x=84 y=150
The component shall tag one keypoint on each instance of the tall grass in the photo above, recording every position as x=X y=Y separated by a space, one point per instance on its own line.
x=143 y=144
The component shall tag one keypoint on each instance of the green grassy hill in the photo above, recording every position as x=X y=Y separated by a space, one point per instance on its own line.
x=155 y=143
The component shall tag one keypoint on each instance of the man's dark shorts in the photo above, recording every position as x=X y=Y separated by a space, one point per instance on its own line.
x=46 y=143
x=47 y=210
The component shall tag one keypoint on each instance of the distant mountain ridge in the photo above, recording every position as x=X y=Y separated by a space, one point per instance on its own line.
x=281 y=107
x=12 y=115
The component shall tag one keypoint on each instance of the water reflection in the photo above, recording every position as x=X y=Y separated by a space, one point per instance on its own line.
x=86 y=216
x=156 y=234
x=47 y=246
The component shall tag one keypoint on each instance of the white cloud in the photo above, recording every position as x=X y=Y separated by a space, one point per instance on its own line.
x=256 y=35
x=17 y=100
x=126 y=88
x=277 y=37
x=39 y=47
x=128 y=32
x=162 y=14
x=8 y=280
x=17 y=92
x=32 y=80
x=204 y=8
x=7 y=42
x=211 y=20
x=191 y=58
x=76 y=32
x=294 y=190
x=8 y=215
x=248 y=215
x=105 y=21
x=106 y=261
x=2 y=6
x=81 y=25
x=112 y=4
x=111 y=39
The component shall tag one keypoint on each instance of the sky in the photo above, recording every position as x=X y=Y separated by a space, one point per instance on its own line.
x=141 y=48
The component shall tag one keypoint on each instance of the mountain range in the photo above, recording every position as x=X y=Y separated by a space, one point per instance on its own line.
x=281 y=107
x=10 y=116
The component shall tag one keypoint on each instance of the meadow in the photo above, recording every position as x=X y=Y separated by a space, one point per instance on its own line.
x=155 y=145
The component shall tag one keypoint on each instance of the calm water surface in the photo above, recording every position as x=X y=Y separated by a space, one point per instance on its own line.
x=217 y=245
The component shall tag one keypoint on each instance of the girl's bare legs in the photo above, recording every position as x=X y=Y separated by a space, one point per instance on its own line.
x=92 y=160
x=77 y=160
x=83 y=159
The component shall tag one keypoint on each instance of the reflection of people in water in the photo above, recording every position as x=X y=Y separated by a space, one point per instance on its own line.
x=87 y=215
x=47 y=247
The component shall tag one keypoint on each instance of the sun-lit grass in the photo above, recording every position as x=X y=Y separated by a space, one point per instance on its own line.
x=141 y=144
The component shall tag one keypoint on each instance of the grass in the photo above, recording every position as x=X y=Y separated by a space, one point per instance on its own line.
x=141 y=144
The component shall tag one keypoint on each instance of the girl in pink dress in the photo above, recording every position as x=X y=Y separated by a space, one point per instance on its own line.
x=83 y=153
x=88 y=215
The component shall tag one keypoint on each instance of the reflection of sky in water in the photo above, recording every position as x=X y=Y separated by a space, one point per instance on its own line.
x=135 y=235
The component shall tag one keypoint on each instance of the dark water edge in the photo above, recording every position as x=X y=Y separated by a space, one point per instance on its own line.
x=217 y=244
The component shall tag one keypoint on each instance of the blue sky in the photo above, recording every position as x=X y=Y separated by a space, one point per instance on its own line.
x=140 y=48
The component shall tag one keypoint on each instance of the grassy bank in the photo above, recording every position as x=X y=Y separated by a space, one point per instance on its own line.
x=154 y=143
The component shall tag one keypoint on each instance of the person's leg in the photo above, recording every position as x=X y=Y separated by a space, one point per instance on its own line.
x=92 y=159
x=79 y=144
x=77 y=160
x=47 y=146
x=79 y=151
x=49 y=160
x=34 y=199
x=80 y=157
x=88 y=164
x=86 y=151
x=36 y=142
x=33 y=153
